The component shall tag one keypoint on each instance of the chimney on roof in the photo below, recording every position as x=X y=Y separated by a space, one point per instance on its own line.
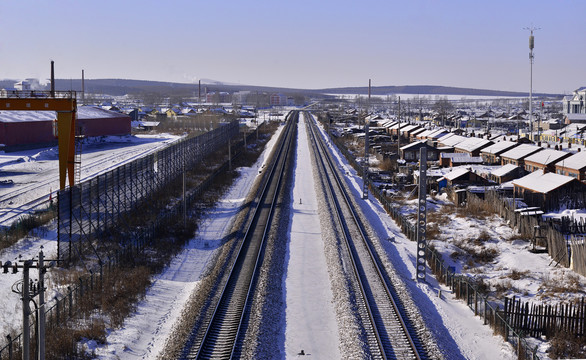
x=52 y=78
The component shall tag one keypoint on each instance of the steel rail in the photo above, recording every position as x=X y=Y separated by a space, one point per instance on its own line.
x=242 y=272
x=386 y=353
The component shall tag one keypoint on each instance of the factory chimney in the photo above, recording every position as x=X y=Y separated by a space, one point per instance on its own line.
x=52 y=78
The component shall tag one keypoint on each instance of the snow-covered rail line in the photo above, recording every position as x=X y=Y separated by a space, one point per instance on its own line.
x=220 y=339
x=386 y=332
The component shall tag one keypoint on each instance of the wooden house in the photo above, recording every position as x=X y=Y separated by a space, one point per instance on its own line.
x=506 y=173
x=573 y=166
x=517 y=155
x=545 y=160
x=491 y=154
x=472 y=146
x=411 y=151
x=550 y=191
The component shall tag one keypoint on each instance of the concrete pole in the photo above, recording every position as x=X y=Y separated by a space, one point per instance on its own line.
x=26 y=311
x=41 y=321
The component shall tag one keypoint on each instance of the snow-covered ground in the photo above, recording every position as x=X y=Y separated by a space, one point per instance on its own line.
x=310 y=325
x=35 y=173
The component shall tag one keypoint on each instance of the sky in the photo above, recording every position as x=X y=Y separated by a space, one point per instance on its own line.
x=299 y=44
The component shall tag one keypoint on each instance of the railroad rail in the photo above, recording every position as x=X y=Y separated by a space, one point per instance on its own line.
x=225 y=326
x=387 y=330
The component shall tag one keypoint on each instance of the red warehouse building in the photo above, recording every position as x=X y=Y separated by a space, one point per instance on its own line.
x=31 y=129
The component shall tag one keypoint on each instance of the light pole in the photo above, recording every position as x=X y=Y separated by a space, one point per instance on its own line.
x=531 y=46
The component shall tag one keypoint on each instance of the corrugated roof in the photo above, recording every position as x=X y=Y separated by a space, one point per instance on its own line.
x=543 y=183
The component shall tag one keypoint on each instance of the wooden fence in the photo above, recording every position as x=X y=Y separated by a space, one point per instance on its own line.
x=550 y=237
x=538 y=320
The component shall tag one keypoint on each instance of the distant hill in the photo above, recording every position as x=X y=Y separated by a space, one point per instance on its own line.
x=428 y=90
x=118 y=87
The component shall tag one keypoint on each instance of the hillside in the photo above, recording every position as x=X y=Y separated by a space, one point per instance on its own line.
x=117 y=87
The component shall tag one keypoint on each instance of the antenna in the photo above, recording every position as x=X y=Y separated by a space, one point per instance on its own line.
x=531 y=46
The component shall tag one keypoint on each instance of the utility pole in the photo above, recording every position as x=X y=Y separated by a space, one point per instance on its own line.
x=422 y=216
x=27 y=289
x=366 y=140
x=399 y=131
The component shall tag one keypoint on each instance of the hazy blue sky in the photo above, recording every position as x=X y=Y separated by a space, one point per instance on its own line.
x=300 y=44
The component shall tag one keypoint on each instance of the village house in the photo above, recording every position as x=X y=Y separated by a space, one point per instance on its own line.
x=451 y=140
x=573 y=166
x=410 y=152
x=491 y=154
x=517 y=155
x=505 y=173
x=550 y=191
x=457 y=159
x=461 y=177
x=472 y=146
x=544 y=160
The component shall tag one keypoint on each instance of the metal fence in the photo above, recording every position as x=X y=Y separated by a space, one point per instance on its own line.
x=67 y=303
x=90 y=208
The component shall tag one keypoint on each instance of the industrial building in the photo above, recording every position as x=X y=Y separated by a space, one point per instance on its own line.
x=32 y=129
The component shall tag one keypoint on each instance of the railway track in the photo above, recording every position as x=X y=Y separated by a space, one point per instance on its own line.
x=386 y=328
x=225 y=327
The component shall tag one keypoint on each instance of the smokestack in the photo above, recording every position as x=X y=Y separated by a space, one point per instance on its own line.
x=52 y=78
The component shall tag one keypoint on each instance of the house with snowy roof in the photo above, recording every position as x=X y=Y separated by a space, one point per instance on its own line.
x=573 y=166
x=491 y=154
x=506 y=173
x=410 y=152
x=545 y=160
x=517 y=155
x=550 y=191
x=472 y=146
x=451 y=140
x=462 y=176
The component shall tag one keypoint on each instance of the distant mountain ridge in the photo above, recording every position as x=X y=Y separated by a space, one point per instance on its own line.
x=118 y=87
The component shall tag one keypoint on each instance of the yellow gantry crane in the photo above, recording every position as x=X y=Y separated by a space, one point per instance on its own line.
x=65 y=104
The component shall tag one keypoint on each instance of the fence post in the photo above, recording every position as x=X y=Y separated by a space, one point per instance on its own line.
x=70 y=296
x=9 y=346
